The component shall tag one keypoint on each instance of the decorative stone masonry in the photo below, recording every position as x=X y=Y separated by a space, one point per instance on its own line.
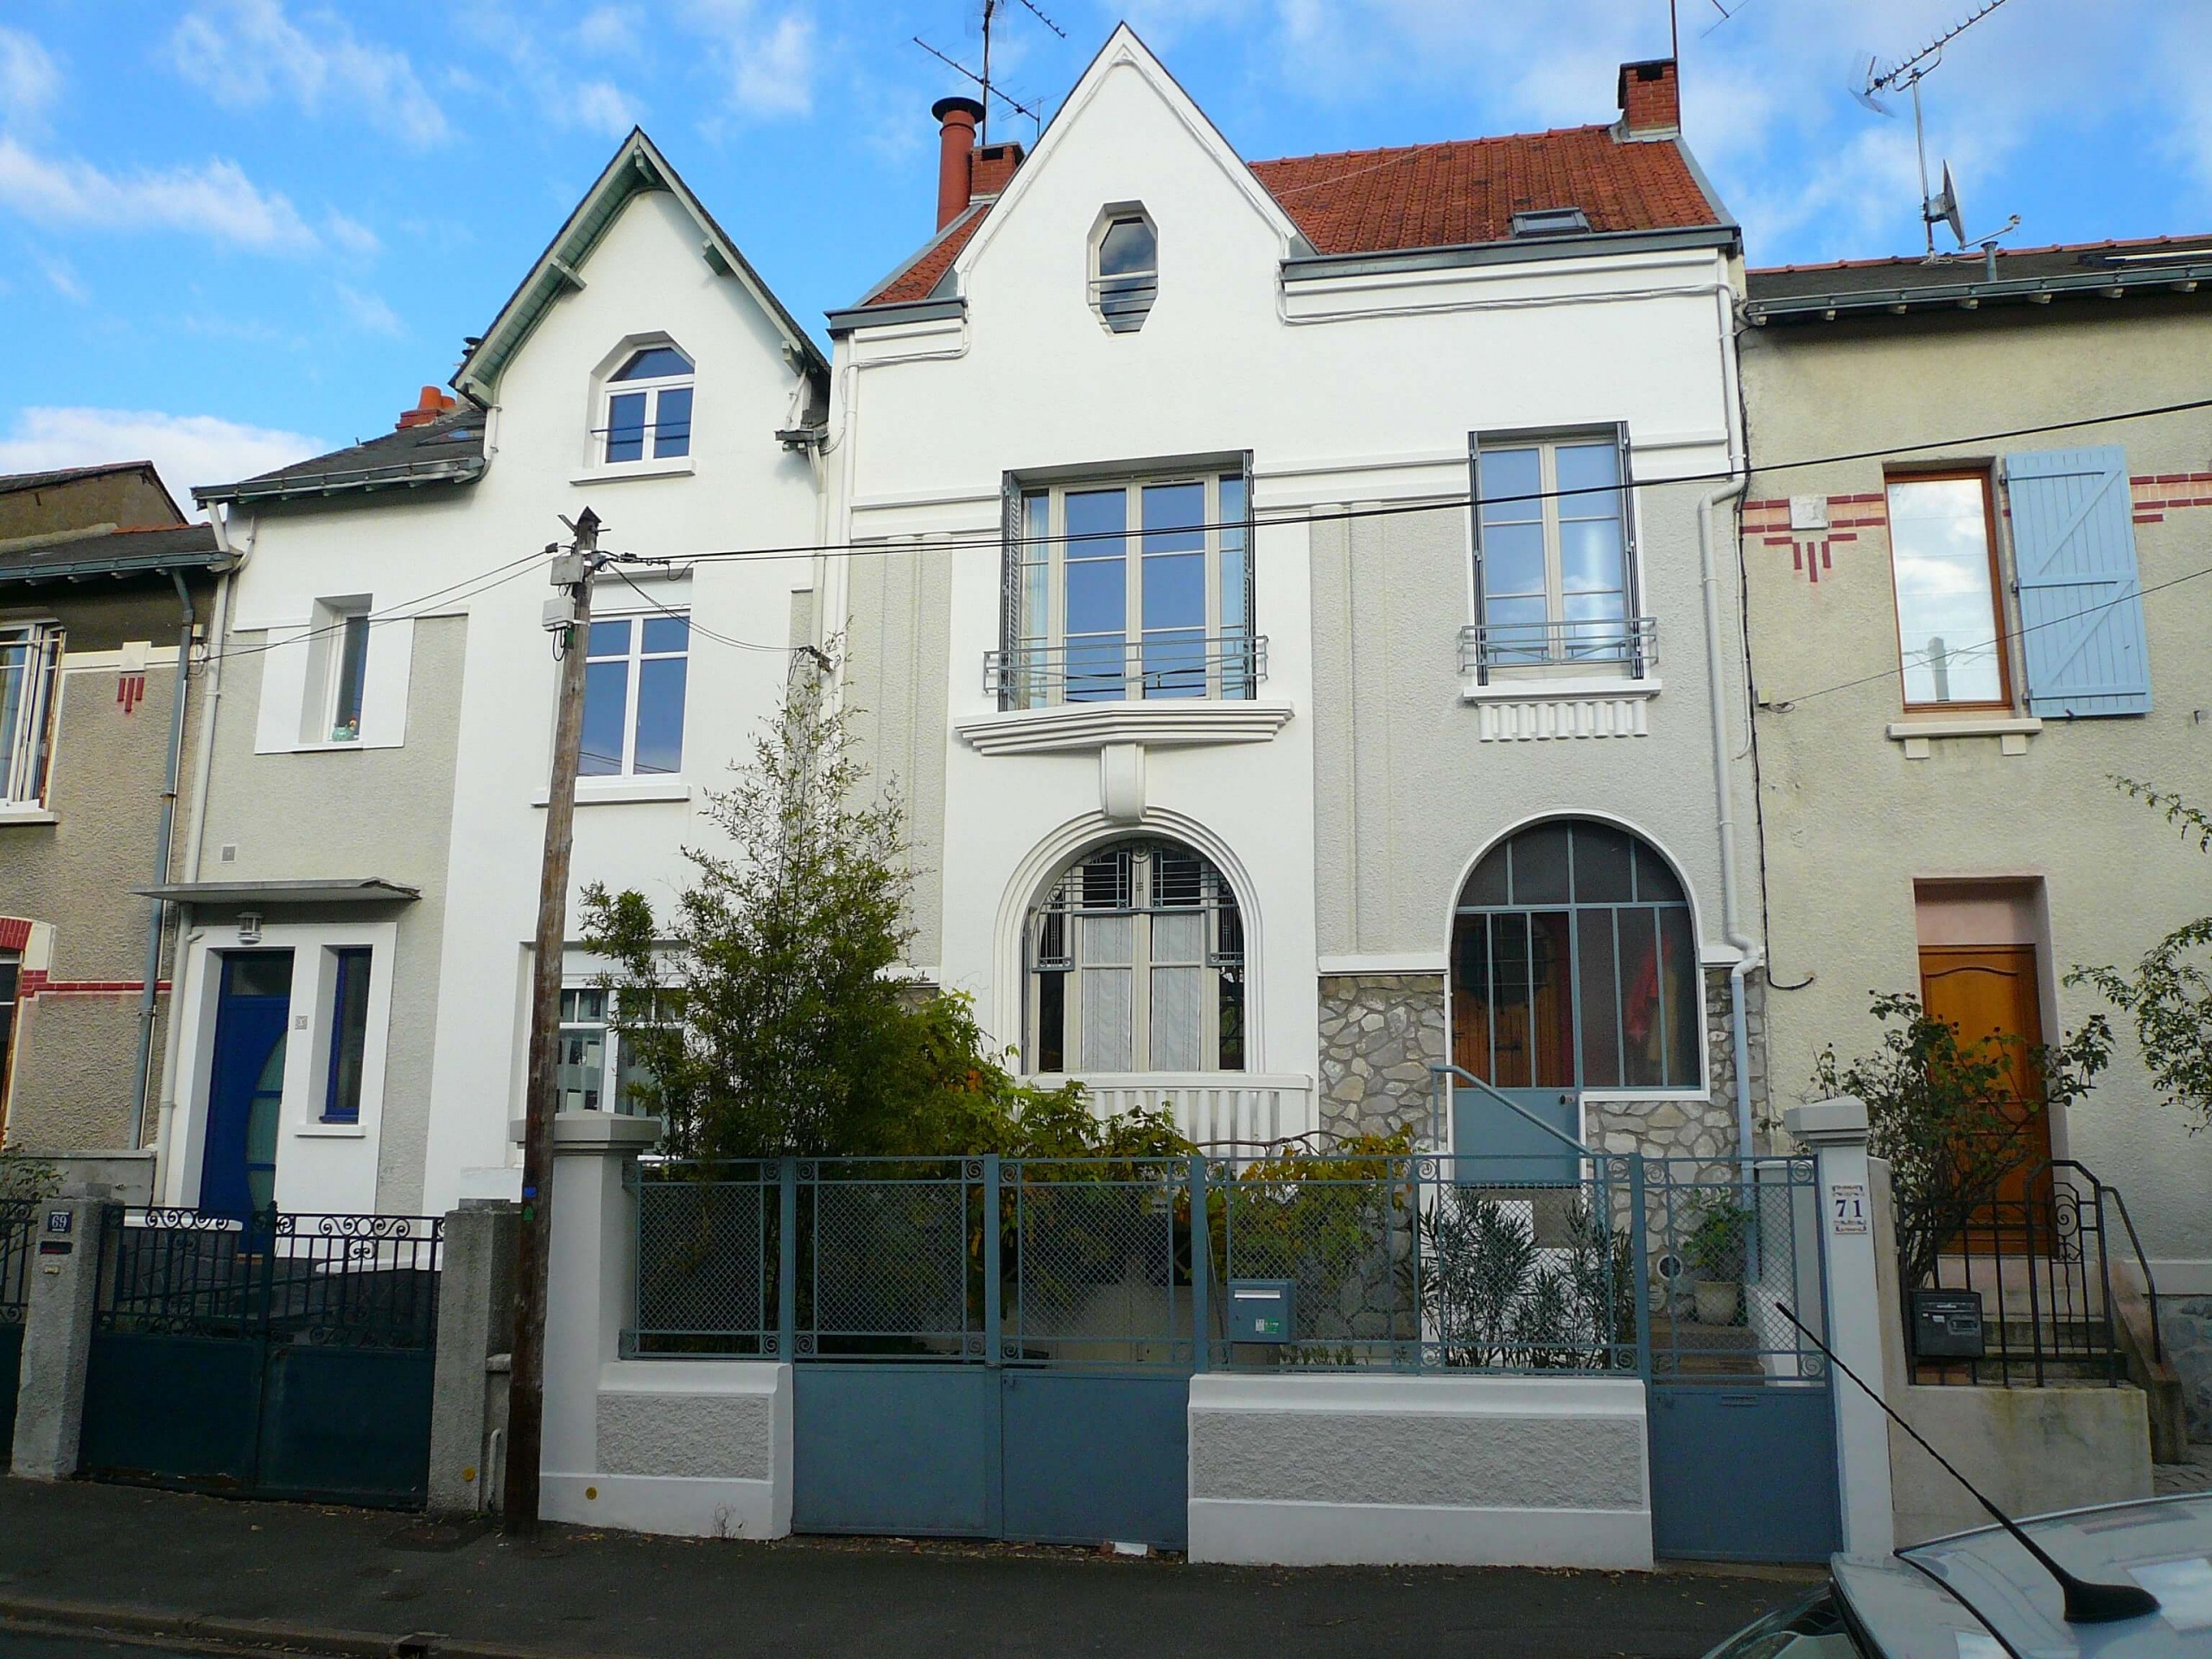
x=2185 y=1322
x=1380 y=1034
x=1703 y=1129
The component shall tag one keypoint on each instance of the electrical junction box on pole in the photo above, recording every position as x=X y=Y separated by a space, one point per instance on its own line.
x=1946 y=1324
x=1262 y=1310
x=559 y=612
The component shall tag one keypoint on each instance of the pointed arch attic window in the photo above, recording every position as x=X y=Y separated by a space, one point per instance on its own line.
x=1124 y=269
x=648 y=410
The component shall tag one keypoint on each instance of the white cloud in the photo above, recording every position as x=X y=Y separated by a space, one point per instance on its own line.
x=560 y=92
x=216 y=199
x=610 y=29
x=244 y=52
x=28 y=80
x=370 y=312
x=62 y=276
x=186 y=449
x=350 y=234
x=768 y=62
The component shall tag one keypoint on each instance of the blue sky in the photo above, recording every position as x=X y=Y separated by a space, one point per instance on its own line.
x=234 y=232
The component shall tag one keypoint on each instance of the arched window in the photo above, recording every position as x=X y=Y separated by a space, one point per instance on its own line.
x=648 y=407
x=1136 y=964
x=1573 y=965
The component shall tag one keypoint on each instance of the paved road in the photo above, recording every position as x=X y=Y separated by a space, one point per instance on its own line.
x=615 y=1593
x=16 y=1645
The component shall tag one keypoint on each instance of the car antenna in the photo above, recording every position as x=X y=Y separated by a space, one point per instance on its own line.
x=2086 y=1603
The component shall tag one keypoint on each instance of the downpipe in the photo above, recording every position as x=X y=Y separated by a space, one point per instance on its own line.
x=1749 y=954
x=142 y=1071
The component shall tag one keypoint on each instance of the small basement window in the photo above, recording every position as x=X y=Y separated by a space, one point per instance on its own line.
x=1551 y=221
x=1124 y=269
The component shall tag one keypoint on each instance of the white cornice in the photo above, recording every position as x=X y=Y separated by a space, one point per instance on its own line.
x=1155 y=725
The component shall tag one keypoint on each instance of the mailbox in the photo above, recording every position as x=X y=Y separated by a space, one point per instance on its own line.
x=1946 y=1324
x=1262 y=1310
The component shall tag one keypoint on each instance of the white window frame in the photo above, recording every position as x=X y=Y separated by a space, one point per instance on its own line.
x=613 y=1067
x=332 y=641
x=1634 y=658
x=29 y=737
x=610 y=388
x=1037 y=569
x=637 y=657
x=1142 y=287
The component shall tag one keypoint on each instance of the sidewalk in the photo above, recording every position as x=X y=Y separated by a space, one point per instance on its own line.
x=582 y=1593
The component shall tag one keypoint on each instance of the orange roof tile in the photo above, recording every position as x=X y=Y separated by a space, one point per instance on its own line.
x=1432 y=196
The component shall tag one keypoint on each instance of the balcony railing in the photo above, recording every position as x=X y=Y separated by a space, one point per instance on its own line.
x=1131 y=670
x=1597 y=643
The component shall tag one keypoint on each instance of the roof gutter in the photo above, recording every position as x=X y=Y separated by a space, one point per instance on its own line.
x=78 y=570
x=465 y=471
x=1521 y=251
x=2177 y=278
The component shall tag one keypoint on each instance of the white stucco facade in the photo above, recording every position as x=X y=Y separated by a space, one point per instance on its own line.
x=1346 y=800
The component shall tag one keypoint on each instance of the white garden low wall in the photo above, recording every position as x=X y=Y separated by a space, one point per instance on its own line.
x=700 y=1448
x=1473 y=1470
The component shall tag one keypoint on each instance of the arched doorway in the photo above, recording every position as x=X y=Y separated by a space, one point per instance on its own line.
x=1574 y=967
x=1135 y=961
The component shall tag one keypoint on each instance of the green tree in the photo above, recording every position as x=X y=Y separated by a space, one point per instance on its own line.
x=2169 y=992
x=1947 y=1113
x=765 y=1013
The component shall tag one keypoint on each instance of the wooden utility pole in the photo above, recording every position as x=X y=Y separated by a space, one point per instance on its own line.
x=568 y=619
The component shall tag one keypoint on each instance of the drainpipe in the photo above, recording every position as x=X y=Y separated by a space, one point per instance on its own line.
x=1749 y=955
x=145 y=1065
x=212 y=700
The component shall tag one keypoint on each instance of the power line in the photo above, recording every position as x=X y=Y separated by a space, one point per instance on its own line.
x=1452 y=502
x=398 y=611
x=1783 y=705
x=695 y=627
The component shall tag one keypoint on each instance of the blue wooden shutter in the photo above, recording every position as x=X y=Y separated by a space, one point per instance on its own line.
x=2081 y=644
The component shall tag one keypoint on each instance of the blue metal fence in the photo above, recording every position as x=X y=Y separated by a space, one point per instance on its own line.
x=1670 y=1268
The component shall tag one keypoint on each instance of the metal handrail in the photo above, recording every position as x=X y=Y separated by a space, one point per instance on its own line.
x=2142 y=1261
x=1565 y=642
x=1438 y=1073
x=1134 y=670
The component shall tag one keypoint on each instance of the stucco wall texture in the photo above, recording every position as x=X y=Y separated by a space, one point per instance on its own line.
x=393 y=820
x=1401 y=1458
x=75 y=1050
x=1850 y=822
x=715 y=1437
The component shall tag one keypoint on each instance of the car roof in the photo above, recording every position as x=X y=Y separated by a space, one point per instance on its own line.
x=1918 y=1602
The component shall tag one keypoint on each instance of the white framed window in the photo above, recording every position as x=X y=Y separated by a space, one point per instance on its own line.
x=1121 y=590
x=635 y=669
x=1136 y=964
x=598 y=1064
x=1555 y=579
x=30 y=653
x=1124 y=267
x=346 y=1033
x=646 y=408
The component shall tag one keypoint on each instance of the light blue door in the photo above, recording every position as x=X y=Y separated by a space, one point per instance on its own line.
x=245 y=1086
x=1497 y=1145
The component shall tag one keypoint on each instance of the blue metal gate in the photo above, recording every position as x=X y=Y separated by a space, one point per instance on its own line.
x=16 y=1218
x=283 y=1356
x=1741 y=1413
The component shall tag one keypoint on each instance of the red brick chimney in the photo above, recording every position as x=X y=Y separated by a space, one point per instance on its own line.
x=956 y=157
x=432 y=403
x=1650 y=99
x=994 y=169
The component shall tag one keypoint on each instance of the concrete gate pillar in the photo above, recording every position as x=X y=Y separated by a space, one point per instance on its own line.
x=65 y=1271
x=476 y=1329
x=1836 y=1131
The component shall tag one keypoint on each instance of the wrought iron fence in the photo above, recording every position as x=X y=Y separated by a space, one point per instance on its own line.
x=1629 y=642
x=1410 y=1263
x=2036 y=1268
x=18 y=1221
x=326 y=1280
x=1114 y=669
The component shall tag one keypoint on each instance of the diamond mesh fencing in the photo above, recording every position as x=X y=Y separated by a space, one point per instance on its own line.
x=707 y=1256
x=1099 y=1271
x=886 y=1265
x=1730 y=1252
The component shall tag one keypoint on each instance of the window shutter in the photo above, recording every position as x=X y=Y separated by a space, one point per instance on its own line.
x=2082 y=647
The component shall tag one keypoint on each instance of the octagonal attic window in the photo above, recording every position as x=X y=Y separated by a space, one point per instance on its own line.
x=1124 y=269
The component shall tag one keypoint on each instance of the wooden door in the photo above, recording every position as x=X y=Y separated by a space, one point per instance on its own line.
x=1984 y=990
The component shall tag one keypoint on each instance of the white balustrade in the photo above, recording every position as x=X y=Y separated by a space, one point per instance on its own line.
x=1222 y=1111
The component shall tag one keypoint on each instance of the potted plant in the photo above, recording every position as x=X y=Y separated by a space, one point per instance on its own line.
x=1716 y=1251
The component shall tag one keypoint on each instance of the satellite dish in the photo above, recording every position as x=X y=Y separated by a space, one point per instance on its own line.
x=1942 y=208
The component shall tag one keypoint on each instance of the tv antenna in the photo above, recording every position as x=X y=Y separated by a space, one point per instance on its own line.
x=991 y=9
x=1939 y=208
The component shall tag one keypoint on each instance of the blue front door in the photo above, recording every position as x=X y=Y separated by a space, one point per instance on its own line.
x=237 y=1171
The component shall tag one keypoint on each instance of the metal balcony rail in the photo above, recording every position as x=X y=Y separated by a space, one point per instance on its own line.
x=1407 y=1262
x=1179 y=665
x=1599 y=642
x=2040 y=1261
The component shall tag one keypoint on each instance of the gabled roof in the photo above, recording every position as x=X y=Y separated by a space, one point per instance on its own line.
x=2165 y=264
x=1456 y=193
x=16 y=483
x=446 y=450
x=636 y=168
x=153 y=551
